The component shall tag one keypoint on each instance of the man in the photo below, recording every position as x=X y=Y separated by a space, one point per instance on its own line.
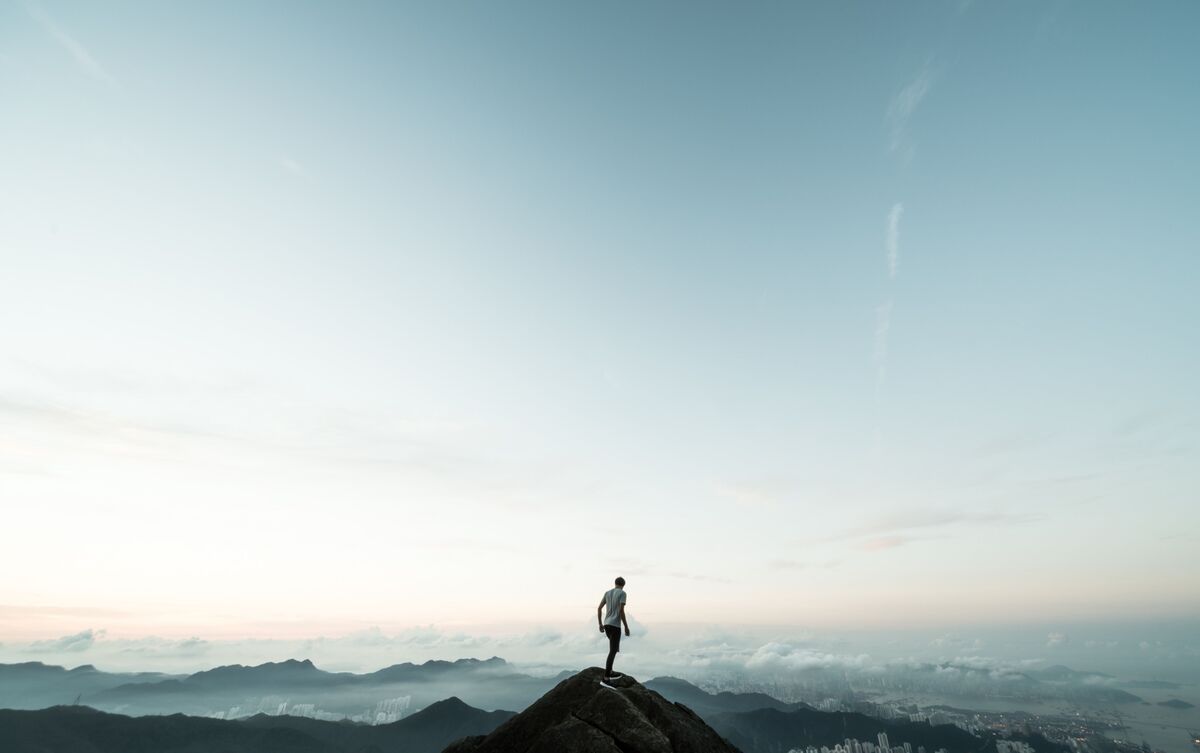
x=613 y=601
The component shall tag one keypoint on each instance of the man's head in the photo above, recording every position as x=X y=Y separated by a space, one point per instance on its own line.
x=620 y=582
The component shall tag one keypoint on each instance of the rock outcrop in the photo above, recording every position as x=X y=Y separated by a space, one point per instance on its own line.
x=582 y=716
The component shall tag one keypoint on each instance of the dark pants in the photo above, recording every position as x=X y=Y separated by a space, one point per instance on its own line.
x=614 y=645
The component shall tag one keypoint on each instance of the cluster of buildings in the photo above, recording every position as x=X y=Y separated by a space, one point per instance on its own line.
x=851 y=745
x=385 y=712
x=392 y=709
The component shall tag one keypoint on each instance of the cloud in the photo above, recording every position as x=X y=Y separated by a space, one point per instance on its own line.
x=433 y=640
x=85 y=421
x=88 y=64
x=900 y=110
x=341 y=438
x=1099 y=680
x=882 y=543
x=914 y=519
x=1054 y=640
x=787 y=565
x=293 y=167
x=640 y=568
x=761 y=494
x=696 y=576
x=893 y=237
x=953 y=641
x=996 y=669
x=789 y=657
x=81 y=641
x=1100 y=644
x=163 y=647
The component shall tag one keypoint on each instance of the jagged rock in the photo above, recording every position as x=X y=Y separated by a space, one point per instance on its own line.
x=581 y=716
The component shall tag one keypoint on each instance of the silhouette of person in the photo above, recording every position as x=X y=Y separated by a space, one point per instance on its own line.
x=613 y=602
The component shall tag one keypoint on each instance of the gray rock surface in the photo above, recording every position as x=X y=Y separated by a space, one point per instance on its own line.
x=582 y=716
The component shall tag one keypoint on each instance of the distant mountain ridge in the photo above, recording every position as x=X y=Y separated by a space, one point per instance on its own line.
x=304 y=697
x=666 y=715
x=241 y=690
x=37 y=685
x=71 y=729
x=703 y=702
x=237 y=690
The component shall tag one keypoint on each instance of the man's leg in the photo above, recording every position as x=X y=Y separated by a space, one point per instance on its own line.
x=614 y=638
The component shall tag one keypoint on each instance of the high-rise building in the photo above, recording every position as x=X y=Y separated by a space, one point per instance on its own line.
x=883 y=741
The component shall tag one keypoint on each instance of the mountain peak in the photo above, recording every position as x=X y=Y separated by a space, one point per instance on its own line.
x=582 y=715
x=453 y=702
x=294 y=668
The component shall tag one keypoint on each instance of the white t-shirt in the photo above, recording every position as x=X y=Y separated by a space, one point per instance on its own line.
x=613 y=599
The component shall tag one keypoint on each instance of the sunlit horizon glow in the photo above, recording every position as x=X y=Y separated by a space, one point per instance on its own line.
x=319 y=320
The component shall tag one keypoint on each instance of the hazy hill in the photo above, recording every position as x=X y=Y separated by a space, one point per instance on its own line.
x=34 y=685
x=1176 y=703
x=489 y=684
x=705 y=703
x=1083 y=687
x=427 y=730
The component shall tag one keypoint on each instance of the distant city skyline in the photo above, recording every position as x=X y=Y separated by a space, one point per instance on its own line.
x=327 y=318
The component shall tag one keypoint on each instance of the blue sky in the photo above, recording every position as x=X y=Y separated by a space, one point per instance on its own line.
x=829 y=313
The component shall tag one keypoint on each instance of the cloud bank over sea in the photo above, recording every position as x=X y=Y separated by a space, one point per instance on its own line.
x=1111 y=652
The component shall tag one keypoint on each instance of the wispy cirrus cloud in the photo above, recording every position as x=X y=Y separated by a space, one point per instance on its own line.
x=293 y=167
x=83 y=58
x=883 y=543
x=901 y=108
x=763 y=493
x=897 y=528
x=791 y=564
x=782 y=564
x=638 y=567
x=893 y=237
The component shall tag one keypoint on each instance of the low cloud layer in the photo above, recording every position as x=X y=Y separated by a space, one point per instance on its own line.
x=701 y=653
x=78 y=642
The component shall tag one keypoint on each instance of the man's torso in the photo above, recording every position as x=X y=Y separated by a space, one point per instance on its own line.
x=613 y=599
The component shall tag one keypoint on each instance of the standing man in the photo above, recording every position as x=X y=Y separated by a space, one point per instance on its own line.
x=613 y=602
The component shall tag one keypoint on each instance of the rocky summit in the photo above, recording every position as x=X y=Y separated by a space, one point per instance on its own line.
x=582 y=716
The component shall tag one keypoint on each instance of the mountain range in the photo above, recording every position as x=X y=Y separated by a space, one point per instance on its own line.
x=79 y=729
x=237 y=690
x=576 y=714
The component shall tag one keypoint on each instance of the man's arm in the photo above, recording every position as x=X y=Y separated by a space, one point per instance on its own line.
x=623 y=620
x=599 y=619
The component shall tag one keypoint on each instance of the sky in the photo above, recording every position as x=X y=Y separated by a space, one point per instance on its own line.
x=330 y=318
